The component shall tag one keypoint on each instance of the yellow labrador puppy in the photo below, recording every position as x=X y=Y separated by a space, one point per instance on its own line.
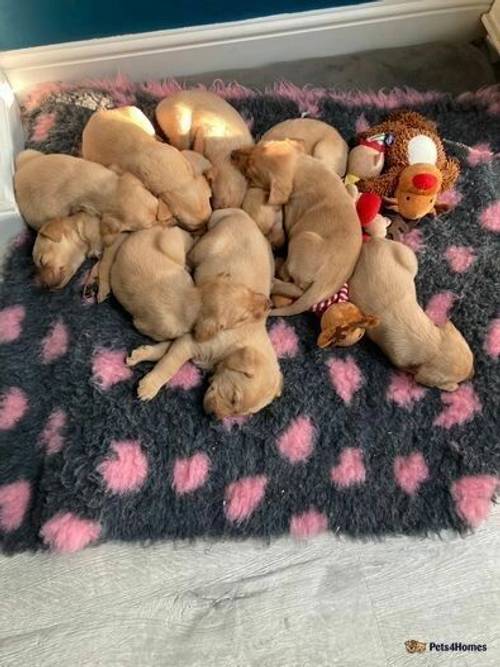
x=125 y=138
x=62 y=245
x=269 y=218
x=320 y=140
x=324 y=233
x=383 y=283
x=209 y=125
x=57 y=186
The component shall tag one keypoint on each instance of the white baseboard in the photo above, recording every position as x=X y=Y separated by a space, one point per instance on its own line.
x=185 y=51
x=11 y=142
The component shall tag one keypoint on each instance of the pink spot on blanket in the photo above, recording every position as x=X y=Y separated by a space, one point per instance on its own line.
x=350 y=469
x=473 y=495
x=451 y=198
x=492 y=342
x=284 y=339
x=410 y=472
x=190 y=473
x=186 y=377
x=479 y=154
x=14 y=500
x=414 y=240
x=345 y=377
x=461 y=407
x=127 y=467
x=42 y=126
x=67 y=533
x=13 y=406
x=490 y=217
x=308 y=524
x=55 y=344
x=52 y=438
x=39 y=93
x=229 y=422
x=21 y=239
x=404 y=391
x=361 y=124
x=460 y=258
x=108 y=368
x=244 y=496
x=11 y=323
x=161 y=89
x=439 y=306
x=297 y=442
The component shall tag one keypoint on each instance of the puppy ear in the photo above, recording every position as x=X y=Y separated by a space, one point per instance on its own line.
x=109 y=228
x=240 y=157
x=280 y=189
x=54 y=230
x=163 y=214
x=199 y=163
x=211 y=175
x=259 y=306
x=243 y=361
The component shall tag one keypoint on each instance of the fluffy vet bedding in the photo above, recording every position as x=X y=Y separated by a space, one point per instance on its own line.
x=352 y=445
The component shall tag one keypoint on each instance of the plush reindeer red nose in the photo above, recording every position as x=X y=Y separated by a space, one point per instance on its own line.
x=425 y=181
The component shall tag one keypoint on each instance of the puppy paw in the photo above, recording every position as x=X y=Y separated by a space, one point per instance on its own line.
x=137 y=356
x=148 y=388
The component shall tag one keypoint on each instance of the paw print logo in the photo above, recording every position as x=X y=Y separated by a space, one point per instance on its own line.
x=414 y=646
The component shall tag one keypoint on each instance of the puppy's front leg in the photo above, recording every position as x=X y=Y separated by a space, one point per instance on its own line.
x=181 y=351
x=105 y=264
x=147 y=353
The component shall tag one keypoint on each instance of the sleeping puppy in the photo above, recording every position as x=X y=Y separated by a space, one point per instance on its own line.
x=62 y=245
x=57 y=186
x=320 y=140
x=209 y=125
x=233 y=248
x=125 y=138
x=246 y=374
x=324 y=234
x=383 y=283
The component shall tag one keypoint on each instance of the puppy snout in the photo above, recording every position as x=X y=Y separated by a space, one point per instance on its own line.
x=49 y=277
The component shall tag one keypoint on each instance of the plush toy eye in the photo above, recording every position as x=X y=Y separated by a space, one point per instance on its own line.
x=407 y=198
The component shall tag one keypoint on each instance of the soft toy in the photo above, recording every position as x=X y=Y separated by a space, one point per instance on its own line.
x=416 y=168
x=368 y=207
x=343 y=324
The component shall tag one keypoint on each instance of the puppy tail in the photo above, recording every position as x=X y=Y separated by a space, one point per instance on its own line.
x=319 y=290
x=25 y=156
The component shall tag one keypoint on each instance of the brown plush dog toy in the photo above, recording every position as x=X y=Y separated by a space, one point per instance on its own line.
x=416 y=168
x=343 y=325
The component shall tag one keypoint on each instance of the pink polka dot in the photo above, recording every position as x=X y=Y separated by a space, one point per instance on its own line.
x=479 y=154
x=473 y=495
x=490 y=217
x=126 y=468
x=13 y=406
x=350 y=469
x=244 y=496
x=11 y=321
x=461 y=406
x=439 y=306
x=190 y=473
x=67 y=533
x=109 y=368
x=410 y=472
x=186 y=377
x=460 y=258
x=451 y=198
x=492 y=342
x=229 y=422
x=414 y=240
x=284 y=339
x=14 y=501
x=308 y=524
x=55 y=344
x=345 y=377
x=361 y=124
x=297 y=442
x=52 y=438
x=42 y=126
x=404 y=391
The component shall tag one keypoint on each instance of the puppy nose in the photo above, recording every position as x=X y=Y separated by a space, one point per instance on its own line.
x=48 y=277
